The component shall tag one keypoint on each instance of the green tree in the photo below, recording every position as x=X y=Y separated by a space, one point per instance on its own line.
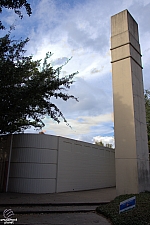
x=108 y=145
x=99 y=143
x=102 y=144
x=16 y=5
x=26 y=89
x=147 y=107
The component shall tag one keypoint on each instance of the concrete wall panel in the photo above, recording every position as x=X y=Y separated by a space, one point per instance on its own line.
x=33 y=163
x=82 y=166
x=32 y=170
x=61 y=165
x=26 y=185
x=33 y=155
x=35 y=140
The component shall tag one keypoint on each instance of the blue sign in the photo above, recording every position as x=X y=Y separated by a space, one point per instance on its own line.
x=127 y=204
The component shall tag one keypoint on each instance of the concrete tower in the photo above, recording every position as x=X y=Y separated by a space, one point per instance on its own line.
x=132 y=159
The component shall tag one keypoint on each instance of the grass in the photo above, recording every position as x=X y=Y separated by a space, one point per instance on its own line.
x=140 y=215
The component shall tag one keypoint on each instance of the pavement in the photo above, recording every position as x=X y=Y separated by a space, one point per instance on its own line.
x=69 y=208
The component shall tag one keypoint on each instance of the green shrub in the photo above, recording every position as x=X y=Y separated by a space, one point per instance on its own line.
x=140 y=215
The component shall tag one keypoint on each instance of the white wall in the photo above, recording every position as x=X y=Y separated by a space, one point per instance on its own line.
x=33 y=163
x=46 y=164
x=83 y=166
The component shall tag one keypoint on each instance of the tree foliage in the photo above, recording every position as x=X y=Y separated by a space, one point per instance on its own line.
x=108 y=145
x=16 y=5
x=147 y=107
x=26 y=89
x=100 y=143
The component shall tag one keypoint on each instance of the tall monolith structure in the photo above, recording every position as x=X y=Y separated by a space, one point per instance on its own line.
x=131 y=145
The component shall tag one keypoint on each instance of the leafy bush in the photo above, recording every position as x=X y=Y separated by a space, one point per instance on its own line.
x=140 y=215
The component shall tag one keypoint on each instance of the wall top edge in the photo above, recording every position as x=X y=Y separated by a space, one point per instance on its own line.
x=125 y=12
x=65 y=139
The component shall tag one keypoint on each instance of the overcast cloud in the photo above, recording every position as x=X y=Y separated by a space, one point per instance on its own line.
x=81 y=29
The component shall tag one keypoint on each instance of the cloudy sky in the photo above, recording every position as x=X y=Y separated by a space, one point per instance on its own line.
x=81 y=29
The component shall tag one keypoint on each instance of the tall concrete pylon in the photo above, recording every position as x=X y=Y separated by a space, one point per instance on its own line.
x=131 y=145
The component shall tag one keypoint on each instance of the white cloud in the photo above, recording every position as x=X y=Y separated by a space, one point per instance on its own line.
x=80 y=125
x=82 y=29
